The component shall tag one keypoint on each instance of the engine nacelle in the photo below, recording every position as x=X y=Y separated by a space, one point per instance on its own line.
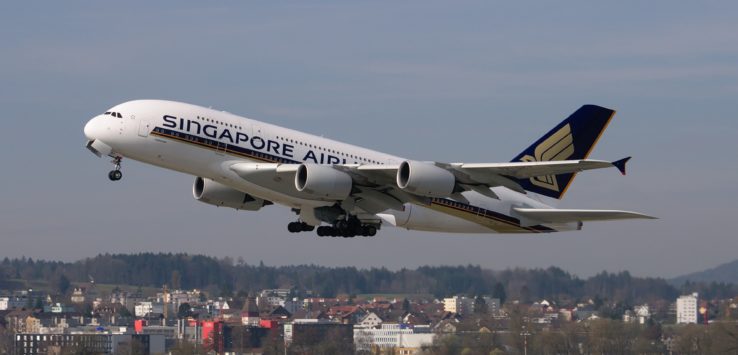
x=425 y=179
x=217 y=194
x=323 y=181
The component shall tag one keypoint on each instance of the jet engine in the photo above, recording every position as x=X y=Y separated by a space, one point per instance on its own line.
x=217 y=194
x=425 y=179
x=323 y=181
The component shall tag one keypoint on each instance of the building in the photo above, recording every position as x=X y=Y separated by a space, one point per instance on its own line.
x=394 y=336
x=313 y=333
x=493 y=305
x=78 y=296
x=250 y=313
x=642 y=313
x=273 y=297
x=34 y=343
x=144 y=308
x=370 y=320
x=460 y=305
x=4 y=303
x=686 y=307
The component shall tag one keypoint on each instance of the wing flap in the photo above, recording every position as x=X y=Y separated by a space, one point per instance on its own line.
x=524 y=170
x=569 y=215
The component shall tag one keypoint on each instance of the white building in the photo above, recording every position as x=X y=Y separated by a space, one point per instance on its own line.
x=370 y=320
x=78 y=295
x=687 y=309
x=4 y=302
x=456 y=304
x=642 y=313
x=390 y=336
x=143 y=308
x=273 y=297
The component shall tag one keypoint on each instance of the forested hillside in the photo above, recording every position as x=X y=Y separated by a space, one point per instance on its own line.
x=226 y=276
x=726 y=273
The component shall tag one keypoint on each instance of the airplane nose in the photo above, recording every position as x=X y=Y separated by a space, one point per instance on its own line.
x=93 y=128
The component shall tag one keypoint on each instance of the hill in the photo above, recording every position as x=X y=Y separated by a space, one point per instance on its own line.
x=725 y=273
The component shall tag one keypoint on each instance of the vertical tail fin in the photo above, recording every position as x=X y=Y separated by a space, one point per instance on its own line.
x=572 y=139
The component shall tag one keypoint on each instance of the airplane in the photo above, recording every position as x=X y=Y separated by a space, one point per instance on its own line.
x=344 y=190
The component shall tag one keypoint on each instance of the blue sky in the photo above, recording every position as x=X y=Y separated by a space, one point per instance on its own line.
x=446 y=81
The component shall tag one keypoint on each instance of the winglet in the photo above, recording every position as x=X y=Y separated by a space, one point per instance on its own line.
x=620 y=164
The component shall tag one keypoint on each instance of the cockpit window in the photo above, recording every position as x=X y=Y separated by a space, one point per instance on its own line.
x=117 y=114
x=114 y=114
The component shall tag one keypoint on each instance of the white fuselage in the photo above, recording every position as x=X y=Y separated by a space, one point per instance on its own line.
x=205 y=142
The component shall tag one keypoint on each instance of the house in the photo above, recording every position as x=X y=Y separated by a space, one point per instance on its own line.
x=279 y=312
x=78 y=295
x=446 y=326
x=370 y=320
x=250 y=313
x=416 y=318
x=642 y=313
x=15 y=320
x=347 y=314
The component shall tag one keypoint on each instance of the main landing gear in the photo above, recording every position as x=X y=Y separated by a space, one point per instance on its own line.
x=116 y=174
x=297 y=227
x=342 y=228
x=348 y=229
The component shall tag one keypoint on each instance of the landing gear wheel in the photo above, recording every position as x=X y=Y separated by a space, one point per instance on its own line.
x=115 y=175
x=304 y=227
x=294 y=227
x=297 y=227
x=322 y=231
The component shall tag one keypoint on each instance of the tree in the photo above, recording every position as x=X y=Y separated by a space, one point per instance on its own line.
x=63 y=284
x=480 y=305
x=184 y=310
x=176 y=280
x=6 y=341
x=406 y=305
x=183 y=347
x=525 y=295
x=443 y=345
x=608 y=336
x=691 y=339
x=724 y=338
x=548 y=343
x=499 y=292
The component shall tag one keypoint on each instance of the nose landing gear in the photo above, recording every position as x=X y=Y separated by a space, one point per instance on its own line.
x=116 y=174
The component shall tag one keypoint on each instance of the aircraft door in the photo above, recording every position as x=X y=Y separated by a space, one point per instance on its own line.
x=220 y=148
x=144 y=127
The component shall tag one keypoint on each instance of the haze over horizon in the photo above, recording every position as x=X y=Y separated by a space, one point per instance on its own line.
x=473 y=81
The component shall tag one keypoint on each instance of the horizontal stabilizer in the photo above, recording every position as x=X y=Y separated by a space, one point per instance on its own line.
x=546 y=215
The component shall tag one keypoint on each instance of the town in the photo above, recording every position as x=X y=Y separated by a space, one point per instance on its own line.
x=92 y=318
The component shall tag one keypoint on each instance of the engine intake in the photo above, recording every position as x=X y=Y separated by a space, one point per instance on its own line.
x=425 y=179
x=323 y=181
x=217 y=194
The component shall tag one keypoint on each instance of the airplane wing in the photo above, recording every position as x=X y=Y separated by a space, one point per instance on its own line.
x=471 y=175
x=540 y=215
x=381 y=184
